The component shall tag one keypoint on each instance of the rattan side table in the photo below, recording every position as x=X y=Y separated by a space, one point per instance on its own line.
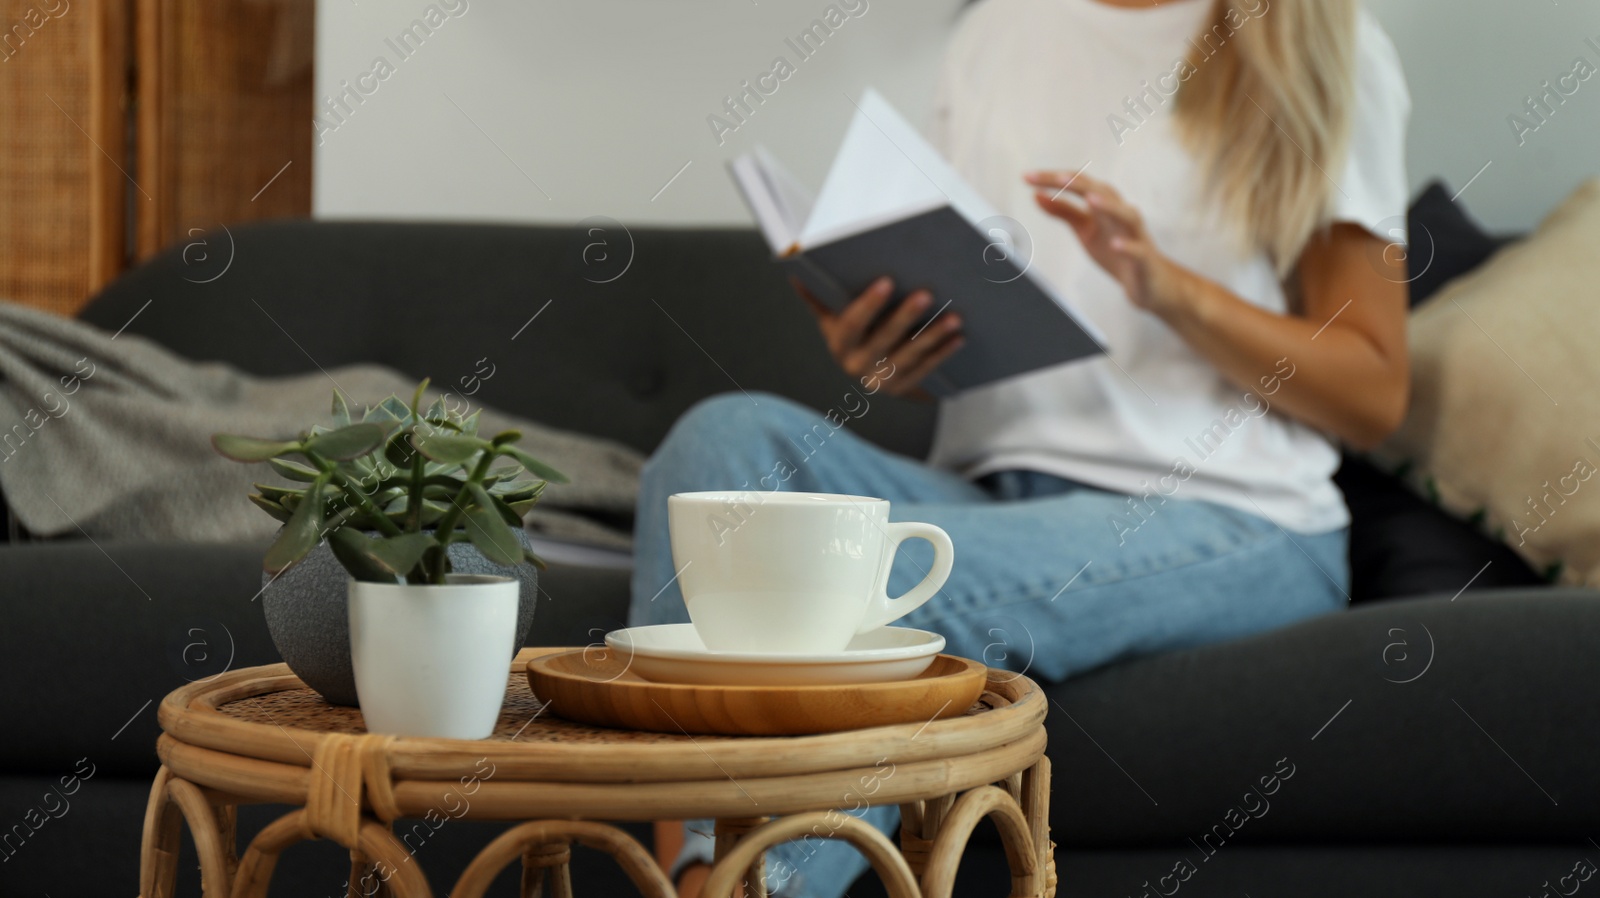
x=259 y=735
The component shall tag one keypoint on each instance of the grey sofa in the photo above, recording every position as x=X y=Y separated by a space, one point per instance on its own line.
x=1436 y=745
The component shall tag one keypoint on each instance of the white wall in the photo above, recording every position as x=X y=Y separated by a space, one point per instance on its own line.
x=543 y=111
x=1471 y=64
x=598 y=102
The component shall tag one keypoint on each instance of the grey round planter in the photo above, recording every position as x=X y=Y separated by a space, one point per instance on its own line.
x=308 y=618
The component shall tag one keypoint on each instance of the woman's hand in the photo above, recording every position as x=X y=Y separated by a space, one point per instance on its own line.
x=1347 y=341
x=1112 y=232
x=911 y=350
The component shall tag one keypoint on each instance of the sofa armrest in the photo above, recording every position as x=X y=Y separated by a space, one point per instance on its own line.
x=97 y=634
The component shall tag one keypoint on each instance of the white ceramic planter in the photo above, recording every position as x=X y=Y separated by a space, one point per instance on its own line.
x=433 y=660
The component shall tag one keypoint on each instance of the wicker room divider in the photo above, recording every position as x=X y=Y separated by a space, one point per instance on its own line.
x=134 y=124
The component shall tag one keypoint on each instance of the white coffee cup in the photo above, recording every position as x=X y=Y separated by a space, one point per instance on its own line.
x=793 y=573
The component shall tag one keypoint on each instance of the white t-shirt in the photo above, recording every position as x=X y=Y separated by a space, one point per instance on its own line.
x=1058 y=84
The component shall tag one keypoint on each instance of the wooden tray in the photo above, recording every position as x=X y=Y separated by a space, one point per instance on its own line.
x=594 y=686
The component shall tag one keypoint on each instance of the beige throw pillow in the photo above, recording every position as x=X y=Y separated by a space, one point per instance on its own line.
x=1504 y=424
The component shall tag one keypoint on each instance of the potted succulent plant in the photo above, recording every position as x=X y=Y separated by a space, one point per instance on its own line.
x=392 y=494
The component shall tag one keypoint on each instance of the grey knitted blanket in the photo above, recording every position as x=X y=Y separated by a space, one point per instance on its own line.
x=109 y=436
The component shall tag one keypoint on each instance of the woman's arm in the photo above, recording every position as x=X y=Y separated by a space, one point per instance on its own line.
x=1348 y=345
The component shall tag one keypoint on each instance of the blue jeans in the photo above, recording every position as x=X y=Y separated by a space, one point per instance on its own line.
x=1043 y=583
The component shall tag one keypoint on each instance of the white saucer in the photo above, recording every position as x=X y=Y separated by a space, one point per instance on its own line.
x=673 y=653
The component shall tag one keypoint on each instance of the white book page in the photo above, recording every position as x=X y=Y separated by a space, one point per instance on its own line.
x=780 y=231
x=793 y=200
x=885 y=170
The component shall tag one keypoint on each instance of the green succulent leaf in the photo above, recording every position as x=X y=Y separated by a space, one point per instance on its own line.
x=447 y=448
x=383 y=498
x=416 y=398
x=277 y=494
x=359 y=470
x=507 y=514
x=363 y=476
x=270 y=507
x=347 y=442
x=444 y=422
x=535 y=467
x=489 y=532
x=341 y=410
x=396 y=408
x=517 y=488
x=293 y=470
x=431 y=513
x=251 y=449
x=350 y=547
x=536 y=561
x=301 y=534
x=376 y=471
x=398 y=450
x=400 y=553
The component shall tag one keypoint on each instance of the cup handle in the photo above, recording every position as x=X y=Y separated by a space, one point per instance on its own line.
x=882 y=610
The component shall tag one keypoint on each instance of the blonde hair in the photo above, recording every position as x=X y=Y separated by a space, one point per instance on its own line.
x=1267 y=112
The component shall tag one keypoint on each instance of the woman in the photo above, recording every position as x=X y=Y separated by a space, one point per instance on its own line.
x=1219 y=186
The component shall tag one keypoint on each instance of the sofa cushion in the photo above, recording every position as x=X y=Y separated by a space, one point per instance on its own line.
x=1445 y=243
x=1465 y=719
x=573 y=342
x=1502 y=427
x=1403 y=545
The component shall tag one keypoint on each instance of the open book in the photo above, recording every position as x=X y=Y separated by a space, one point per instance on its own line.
x=892 y=206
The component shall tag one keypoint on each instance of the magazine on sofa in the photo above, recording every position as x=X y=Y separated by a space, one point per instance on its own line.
x=891 y=205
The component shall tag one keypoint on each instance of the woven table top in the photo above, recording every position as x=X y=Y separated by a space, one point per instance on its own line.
x=259 y=735
x=522 y=718
x=267 y=714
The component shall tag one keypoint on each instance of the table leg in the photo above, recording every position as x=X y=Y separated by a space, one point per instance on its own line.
x=216 y=873
x=158 y=851
x=547 y=871
x=1013 y=786
x=367 y=879
x=1022 y=856
x=1035 y=803
x=227 y=815
x=914 y=843
x=744 y=856
x=934 y=811
x=359 y=870
x=728 y=833
x=524 y=840
x=399 y=875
